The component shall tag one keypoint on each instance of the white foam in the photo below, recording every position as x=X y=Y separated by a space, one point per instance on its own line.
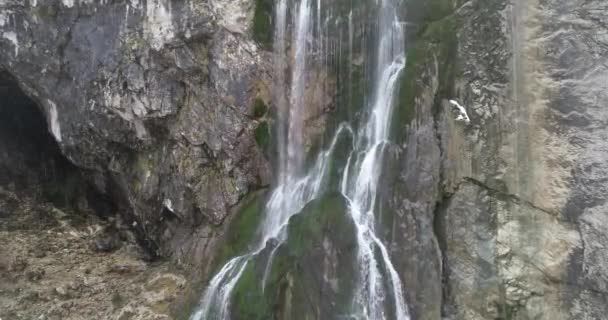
x=68 y=3
x=168 y=204
x=462 y=112
x=12 y=37
x=54 y=122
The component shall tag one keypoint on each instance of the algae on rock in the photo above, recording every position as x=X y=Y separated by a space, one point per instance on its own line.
x=311 y=274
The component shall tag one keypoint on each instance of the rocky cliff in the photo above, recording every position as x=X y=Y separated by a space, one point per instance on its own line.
x=504 y=214
x=161 y=108
x=152 y=100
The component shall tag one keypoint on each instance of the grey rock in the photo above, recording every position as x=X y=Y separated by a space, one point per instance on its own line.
x=522 y=186
x=62 y=292
x=515 y=200
x=150 y=99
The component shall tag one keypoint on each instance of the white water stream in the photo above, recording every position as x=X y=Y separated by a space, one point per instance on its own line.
x=360 y=180
x=378 y=281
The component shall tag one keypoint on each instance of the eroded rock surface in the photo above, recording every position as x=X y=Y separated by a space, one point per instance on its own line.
x=520 y=209
x=153 y=100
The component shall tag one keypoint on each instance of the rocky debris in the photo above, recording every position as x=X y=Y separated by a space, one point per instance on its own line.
x=35 y=274
x=71 y=281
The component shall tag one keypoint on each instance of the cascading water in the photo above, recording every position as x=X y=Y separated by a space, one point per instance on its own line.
x=360 y=179
x=378 y=283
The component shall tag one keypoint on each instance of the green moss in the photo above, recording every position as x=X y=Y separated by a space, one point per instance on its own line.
x=433 y=10
x=408 y=89
x=322 y=225
x=259 y=108
x=437 y=40
x=45 y=11
x=134 y=42
x=131 y=44
x=242 y=230
x=293 y=286
x=140 y=165
x=320 y=218
x=262 y=135
x=507 y=312
x=263 y=23
x=249 y=300
x=443 y=38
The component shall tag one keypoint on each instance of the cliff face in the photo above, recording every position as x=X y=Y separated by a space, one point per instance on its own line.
x=152 y=100
x=516 y=195
x=162 y=106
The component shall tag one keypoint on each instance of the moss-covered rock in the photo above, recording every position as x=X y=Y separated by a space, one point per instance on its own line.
x=45 y=11
x=259 y=108
x=242 y=230
x=262 y=135
x=263 y=23
x=312 y=273
x=435 y=42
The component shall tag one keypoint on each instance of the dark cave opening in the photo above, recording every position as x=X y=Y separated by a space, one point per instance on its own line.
x=31 y=161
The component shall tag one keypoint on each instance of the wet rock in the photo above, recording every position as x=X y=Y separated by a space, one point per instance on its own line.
x=312 y=274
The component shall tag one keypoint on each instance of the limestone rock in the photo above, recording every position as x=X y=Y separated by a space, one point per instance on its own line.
x=513 y=199
x=150 y=100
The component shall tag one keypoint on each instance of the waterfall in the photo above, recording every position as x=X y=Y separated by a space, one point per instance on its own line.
x=364 y=165
x=298 y=87
x=297 y=185
x=279 y=88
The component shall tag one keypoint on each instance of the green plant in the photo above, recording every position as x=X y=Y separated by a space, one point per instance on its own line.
x=259 y=108
x=262 y=23
x=262 y=135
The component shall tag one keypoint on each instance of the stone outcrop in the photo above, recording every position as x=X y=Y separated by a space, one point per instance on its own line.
x=152 y=100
